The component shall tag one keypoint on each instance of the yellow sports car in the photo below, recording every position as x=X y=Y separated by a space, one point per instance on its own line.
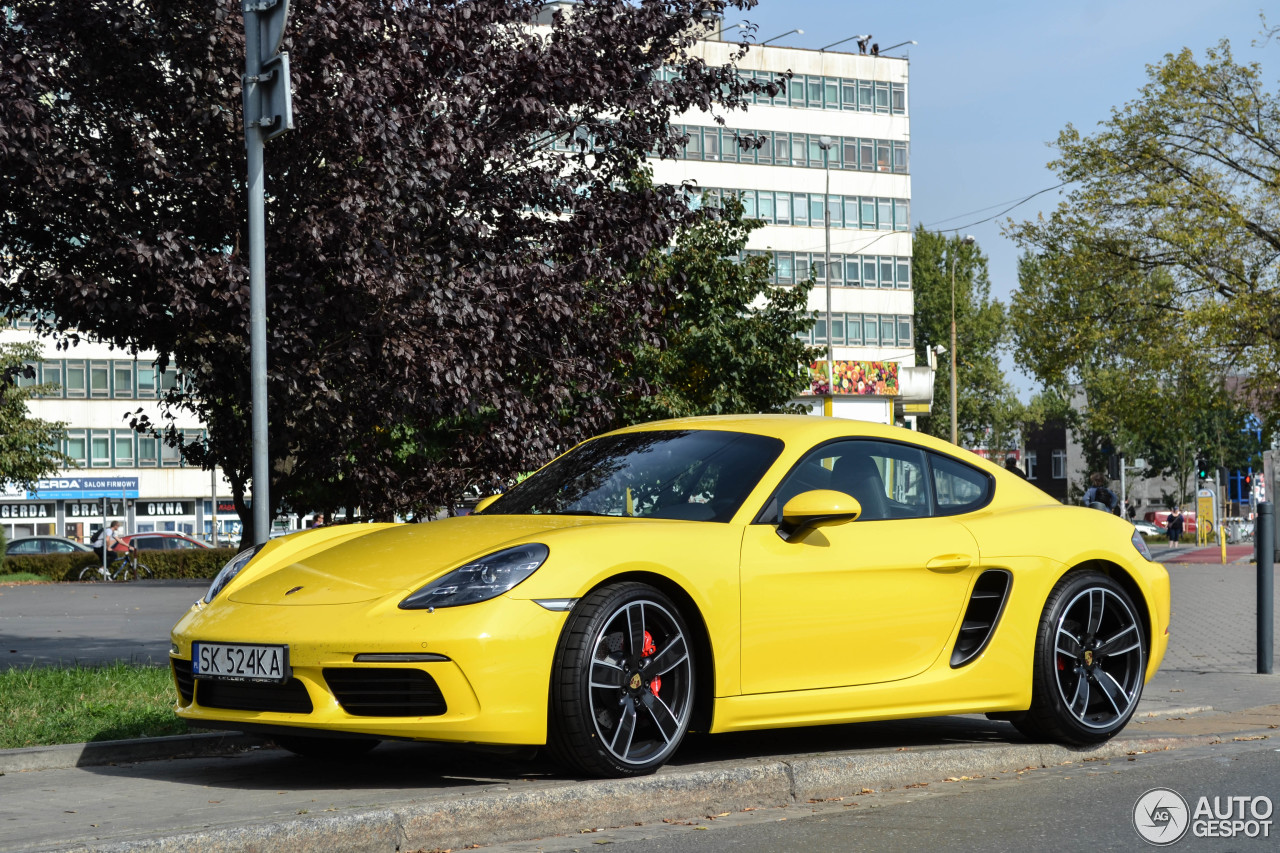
x=717 y=574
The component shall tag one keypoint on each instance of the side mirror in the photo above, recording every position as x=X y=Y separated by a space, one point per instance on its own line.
x=818 y=508
x=484 y=502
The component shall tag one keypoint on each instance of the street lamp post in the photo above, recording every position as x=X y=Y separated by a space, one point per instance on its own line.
x=826 y=143
x=955 y=432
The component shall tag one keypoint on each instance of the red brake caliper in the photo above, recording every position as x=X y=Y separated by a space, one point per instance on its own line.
x=648 y=649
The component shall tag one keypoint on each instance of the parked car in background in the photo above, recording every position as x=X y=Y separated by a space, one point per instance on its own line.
x=161 y=541
x=43 y=545
x=1146 y=528
x=1161 y=520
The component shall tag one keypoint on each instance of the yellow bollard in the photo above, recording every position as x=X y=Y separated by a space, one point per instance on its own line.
x=1222 y=539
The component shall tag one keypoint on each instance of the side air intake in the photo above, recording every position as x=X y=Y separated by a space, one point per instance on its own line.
x=980 y=618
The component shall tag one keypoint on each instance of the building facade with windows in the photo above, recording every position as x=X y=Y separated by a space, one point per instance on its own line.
x=144 y=482
x=832 y=148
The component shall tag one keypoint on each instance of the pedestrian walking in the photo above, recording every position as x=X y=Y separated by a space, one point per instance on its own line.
x=1174 y=528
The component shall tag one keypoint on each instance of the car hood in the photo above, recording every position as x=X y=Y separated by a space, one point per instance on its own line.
x=398 y=558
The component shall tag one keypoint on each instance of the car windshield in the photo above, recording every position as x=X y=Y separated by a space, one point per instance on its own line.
x=695 y=475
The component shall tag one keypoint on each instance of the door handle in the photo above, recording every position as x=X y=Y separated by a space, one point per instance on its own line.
x=949 y=563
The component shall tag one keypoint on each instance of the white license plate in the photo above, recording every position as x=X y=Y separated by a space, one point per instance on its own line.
x=240 y=661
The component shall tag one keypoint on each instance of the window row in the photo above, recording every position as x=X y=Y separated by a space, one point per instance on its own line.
x=779 y=148
x=123 y=448
x=861 y=330
x=820 y=92
x=874 y=271
x=91 y=378
x=869 y=213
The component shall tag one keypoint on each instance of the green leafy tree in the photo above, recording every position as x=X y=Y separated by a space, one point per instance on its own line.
x=452 y=230
x=987 y=409
x=29 y=447
x=1166 y=245
x=731 y=342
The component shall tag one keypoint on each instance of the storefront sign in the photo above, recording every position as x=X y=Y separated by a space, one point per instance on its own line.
x=165 y=508
x=87 y=509
x=77 y=488
x=28 y=510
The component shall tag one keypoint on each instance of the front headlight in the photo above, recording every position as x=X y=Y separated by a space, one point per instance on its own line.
x=1141 y=545
x=230 y=570
x=480 y=580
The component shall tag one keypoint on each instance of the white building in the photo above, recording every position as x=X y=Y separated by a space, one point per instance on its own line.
x=145 y=483
x=838 y=133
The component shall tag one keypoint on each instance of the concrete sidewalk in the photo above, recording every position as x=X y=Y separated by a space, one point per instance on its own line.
x=426 y=796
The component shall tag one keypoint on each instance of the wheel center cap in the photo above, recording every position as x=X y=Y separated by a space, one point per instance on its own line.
x=1088 y=657
x=635 y=682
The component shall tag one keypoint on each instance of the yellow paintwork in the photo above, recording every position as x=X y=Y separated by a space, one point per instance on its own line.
x=848 y=621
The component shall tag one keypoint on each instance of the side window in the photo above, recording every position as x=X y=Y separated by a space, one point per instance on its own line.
x=958 y=487
x=887 y=479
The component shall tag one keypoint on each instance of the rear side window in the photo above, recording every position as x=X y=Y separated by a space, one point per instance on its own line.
x=957 y=488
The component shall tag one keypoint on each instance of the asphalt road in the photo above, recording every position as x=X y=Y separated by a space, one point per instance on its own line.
x=91 y=623
x=1078 y=807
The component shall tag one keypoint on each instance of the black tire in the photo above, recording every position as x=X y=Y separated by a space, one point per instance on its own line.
x=141 y=570
x=1090 y=662
x=91 y=573
x=325 y=748
x=622 y=684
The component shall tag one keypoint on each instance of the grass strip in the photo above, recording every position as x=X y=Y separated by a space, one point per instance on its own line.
x=44 y=706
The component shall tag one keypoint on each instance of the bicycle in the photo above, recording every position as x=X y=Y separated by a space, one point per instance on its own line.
x=123 y=568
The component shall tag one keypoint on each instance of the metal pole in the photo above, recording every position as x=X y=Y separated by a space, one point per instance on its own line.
x=954 y=421
x=1264 y=543
x=257 y=290
x=825 y=144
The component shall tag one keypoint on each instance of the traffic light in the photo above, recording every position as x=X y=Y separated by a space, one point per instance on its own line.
x=1202 y=468
x=1246 y=488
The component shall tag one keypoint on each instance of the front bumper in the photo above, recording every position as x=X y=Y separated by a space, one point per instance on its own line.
x=491 y=685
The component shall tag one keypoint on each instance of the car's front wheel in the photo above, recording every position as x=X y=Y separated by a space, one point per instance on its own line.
x=1090 y=662
x=623 y=683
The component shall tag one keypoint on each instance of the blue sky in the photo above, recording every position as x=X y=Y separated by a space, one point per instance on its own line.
x=993 y=82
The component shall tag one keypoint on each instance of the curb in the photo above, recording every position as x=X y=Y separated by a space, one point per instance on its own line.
x=96 y=753
x=568 y=809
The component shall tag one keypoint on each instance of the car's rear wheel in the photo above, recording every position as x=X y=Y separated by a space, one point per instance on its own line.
x=322 y=748
x=623 y=683
x=1090 y=662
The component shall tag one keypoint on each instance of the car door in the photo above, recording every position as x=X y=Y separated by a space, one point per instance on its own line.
x=863 y=602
